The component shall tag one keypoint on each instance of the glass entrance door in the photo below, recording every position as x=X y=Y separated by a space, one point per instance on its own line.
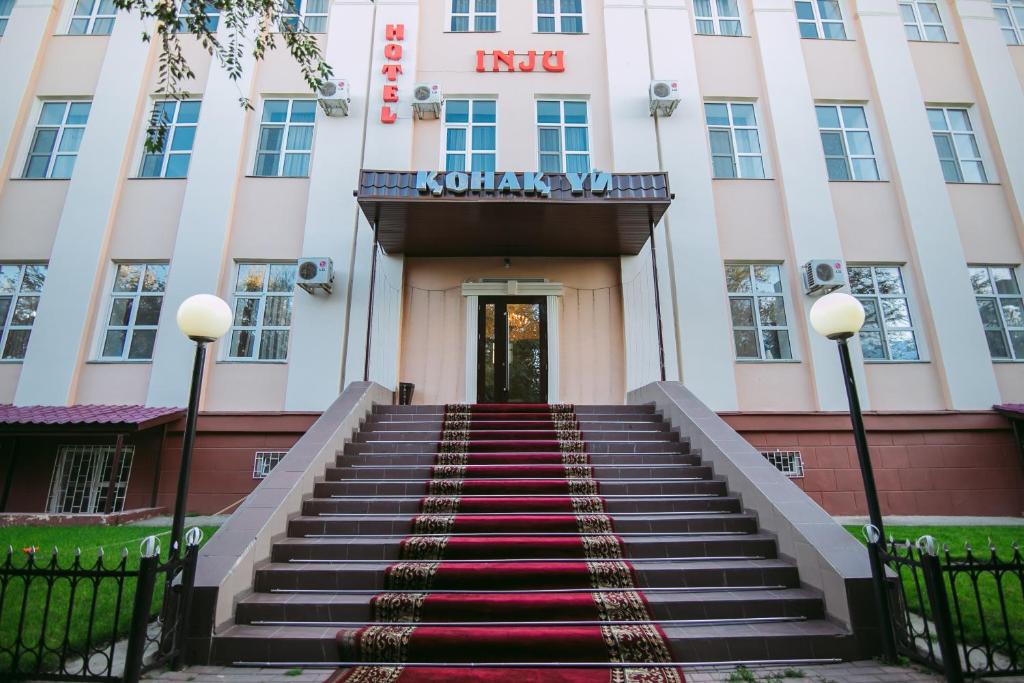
x=512 y=340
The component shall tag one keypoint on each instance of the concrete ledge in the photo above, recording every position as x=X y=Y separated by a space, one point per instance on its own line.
x=227 y=563
x=828 y=558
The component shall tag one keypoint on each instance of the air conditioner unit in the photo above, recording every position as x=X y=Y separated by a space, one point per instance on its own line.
x=821 y=276
x=426 y=100
x=334 y=98
x=316 y=273
x=664 y=97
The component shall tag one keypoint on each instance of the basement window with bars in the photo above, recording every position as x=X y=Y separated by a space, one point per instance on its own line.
x=81 y=479
x=790 y=463
x=265 y=462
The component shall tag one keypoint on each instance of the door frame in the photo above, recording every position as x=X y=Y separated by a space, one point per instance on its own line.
x=501 y=340
x=472 y=291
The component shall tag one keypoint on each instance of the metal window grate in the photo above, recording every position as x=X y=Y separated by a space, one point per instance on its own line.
x=81 y=479
x=789 y=463
x=266 y=461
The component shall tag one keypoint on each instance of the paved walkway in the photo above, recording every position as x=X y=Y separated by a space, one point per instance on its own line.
x=853 y=672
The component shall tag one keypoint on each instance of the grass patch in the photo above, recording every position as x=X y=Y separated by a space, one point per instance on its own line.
x=989 y=612
x=91 y=597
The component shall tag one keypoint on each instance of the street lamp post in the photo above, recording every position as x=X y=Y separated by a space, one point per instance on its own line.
x=203 y=318
x=839 y=316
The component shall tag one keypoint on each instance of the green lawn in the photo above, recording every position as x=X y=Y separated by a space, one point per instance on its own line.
x=26 y=614
x=989 y=612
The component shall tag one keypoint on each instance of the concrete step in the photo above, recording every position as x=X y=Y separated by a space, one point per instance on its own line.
x=419 y=487
x=377 y=423
x=484 y=437
x=603 y=473
x=372 y=447
x=647 y=409
x=429 y=459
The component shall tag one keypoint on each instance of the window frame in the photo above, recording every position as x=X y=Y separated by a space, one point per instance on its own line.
x=5 y=18
x=6 y=325
x=819 y=22
x=843 y=130
x=468 y=127
x=91 y=19
x=883 y=328
x=258 y=328
x=562 y=128
x=471 y=16
x=1005 y=8
x=98 y=480
x=949 y=133
x=1004 y=328
x=758 y=327
x=211 y=11
x=167 y=153
x=262 y=458
x=286 y=125
x=105 y=326
x=301 y=15
x=557 y=15
x=920 y=24
x=60 y=128
x=716 y=18
x=731 y=129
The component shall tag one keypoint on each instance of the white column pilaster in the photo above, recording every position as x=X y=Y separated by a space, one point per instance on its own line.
x=204 y=228
x=21 y=50
x=318 y=322
x=387 y=146
x=62 y=328
x=958 y=342
x=800 y=169
x=704 y=328
x=1002 y=90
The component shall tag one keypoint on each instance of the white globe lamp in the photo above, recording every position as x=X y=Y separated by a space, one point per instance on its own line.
x=837 y=316
x=204 y=317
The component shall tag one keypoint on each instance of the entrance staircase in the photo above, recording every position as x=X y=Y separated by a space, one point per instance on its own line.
x=531 y=536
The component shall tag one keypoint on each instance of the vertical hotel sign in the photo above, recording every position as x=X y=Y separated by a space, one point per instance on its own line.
x=394 y=34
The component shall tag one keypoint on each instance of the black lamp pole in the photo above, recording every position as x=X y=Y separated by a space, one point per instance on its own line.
x=180 y=501
x=871 y=493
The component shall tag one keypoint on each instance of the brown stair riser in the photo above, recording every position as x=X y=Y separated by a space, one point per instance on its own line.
x=517 y=435
x=591 y=447
x=326 y=489
x=635 y=547
x=651 y=424
x=648 y=575
x=429 y=459
x=578 y=410
x=724 y=504
x=356 y=608
x=554 y=472
x=301 y=527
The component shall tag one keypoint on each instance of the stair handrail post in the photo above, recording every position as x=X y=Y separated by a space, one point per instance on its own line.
x=369 y=305
x=657 y=300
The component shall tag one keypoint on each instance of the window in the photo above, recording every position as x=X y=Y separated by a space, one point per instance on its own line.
x=888 y=332
x=735 y=145
x=5 y=13
x=134 y=311
x=958 y=149
x=56 y=140
x=1001 y=309
x=474 y=15
x=304 y=15
x=759 y=326
x=286 y=138
x=179 y=120
x=265 y=462
x=560 y=16
x=790 y=463
x=263 y=311
x=563 y=138
x=820 y=19
x=93 y=17
x=846 y=140
x=185 y=17
x=470 y=134
x=81 y=479
x=921 y=20
x=21 y=285
x=718 y=17
x=1010 y=14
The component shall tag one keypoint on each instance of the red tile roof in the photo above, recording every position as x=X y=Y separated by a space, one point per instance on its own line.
x=134 y=417
x=1011 y=410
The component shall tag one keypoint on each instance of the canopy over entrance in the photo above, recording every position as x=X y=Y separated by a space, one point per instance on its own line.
x=512 y=214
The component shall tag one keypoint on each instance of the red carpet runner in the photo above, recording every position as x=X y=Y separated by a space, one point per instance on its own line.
x=512 y=498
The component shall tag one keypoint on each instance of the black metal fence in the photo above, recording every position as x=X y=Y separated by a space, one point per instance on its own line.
x=102 y=620
x=960 y=615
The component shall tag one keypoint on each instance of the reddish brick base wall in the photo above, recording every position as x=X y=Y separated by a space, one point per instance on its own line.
x=962 y=463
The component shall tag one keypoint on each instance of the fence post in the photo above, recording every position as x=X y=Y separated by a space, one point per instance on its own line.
x=882 y=595
x=935 y=584
x=188 y=578
x=140 y=611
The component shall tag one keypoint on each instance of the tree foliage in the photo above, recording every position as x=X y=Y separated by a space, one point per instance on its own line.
x=247 y=27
